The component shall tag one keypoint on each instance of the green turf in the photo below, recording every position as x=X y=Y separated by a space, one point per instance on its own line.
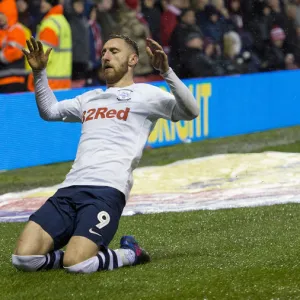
x=287 y=139
x=246 y=253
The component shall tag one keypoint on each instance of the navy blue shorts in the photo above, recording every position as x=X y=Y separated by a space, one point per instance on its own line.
x=90 y=211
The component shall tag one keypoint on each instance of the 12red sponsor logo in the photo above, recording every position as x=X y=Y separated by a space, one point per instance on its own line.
x=104 y=113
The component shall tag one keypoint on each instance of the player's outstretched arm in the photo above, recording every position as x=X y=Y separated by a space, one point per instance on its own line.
x=49 y=108
x=38 y=60
x=186 y=107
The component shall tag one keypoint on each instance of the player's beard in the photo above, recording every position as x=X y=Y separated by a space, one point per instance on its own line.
x=114 y=75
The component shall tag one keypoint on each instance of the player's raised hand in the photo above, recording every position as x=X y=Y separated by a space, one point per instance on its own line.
x=36 y=56
x=158 y=57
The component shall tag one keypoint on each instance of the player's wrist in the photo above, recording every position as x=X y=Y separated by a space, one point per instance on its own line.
x=39 y=72
x=166 y=72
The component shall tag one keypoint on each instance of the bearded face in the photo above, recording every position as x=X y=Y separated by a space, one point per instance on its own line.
x=115 y=59
x=114 y=71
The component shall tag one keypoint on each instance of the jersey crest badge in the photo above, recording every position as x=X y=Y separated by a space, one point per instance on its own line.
x=124 y=95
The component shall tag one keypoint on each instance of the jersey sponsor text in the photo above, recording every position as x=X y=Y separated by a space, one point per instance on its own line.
x=104 y=113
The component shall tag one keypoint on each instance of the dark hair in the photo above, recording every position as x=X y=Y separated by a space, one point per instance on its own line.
x=211 y=10
x=128 y=40
x=53 y=2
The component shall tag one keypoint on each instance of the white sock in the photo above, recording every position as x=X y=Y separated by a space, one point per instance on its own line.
x=31 y=263
x=104 y=260
x=88 y=266
x=127 y=256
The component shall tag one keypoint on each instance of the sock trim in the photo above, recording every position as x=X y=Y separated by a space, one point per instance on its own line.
x=111 y=263
x=52 y=258
x=100 y=258
x=106 y=256
x=115 y=260
x=61 y=260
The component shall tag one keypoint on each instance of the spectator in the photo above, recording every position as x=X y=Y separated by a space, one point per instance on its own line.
x=222 y=10
x=105 y=19
x=88 y=5
x=236 y=61
x=277 y=15
x=12 y=40
x=248 y=10
x=26 y=21
x=201 y=17
x=292 y=39
x=25 y=17
x=214 y=26
x=54 y=31
x=96 y=44
x=232 y=48
x=34 y=8
x=256 y=26
x=259 y=27
x=184 y=4
x=186 y=25
x=275 y=56
x=297 y=47
x=194 y=62
x=224 y=16
x=80 y=40
x=168 y=22
x=152 y=14
x=132 y=24
x=290 y=62
x=237 y=23
x=298 y=13
x=212 y=50
x=235 y=15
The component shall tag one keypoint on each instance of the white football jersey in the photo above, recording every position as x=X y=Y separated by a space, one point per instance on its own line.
x=116 y=124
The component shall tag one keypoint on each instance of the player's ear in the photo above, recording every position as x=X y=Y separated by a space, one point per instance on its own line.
x=133 y=60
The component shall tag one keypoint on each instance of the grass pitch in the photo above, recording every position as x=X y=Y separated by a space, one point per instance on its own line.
x=245 y=253
x=248 y=253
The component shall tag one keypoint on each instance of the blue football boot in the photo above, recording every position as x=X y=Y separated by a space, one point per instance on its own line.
x=141 y=255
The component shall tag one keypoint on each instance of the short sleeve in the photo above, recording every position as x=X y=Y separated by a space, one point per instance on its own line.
x=161 y=104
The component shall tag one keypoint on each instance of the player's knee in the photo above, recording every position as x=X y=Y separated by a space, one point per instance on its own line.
x=28 y=263
x=73 y=264
x=76 y=255
x=71 y=260
x=76 y=263
x=23 y=251
x=25 y=248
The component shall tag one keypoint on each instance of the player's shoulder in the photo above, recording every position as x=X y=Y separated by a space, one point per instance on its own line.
x=150 y=89
x=146 y=86
x=91 y=95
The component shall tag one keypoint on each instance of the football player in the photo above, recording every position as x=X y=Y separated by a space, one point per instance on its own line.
x=84 y=213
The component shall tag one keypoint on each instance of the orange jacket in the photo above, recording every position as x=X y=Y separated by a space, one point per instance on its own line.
x=12 y=40
x=48 y=36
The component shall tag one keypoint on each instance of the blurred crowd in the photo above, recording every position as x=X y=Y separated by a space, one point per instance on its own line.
x=202 y=38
